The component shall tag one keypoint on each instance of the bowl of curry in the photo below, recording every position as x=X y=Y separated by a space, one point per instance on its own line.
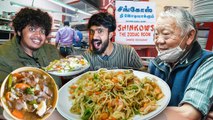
x=29 y=93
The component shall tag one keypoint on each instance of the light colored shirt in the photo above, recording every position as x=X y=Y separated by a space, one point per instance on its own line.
x=123 y=56
x=199 y=92
x=65 y=36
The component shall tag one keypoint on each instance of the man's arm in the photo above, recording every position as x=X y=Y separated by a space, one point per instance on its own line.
x=184 y=112
x=199 y=92
x=210 y=116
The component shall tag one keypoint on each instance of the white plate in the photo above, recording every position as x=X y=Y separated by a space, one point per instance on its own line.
x=64 y=103
x=7 y=116
x=69 y=73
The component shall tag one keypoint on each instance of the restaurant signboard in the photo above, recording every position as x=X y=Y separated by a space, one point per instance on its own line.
x=135 y=22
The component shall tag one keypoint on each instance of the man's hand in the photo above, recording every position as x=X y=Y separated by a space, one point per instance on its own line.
x=185 y=112
x=210 y=116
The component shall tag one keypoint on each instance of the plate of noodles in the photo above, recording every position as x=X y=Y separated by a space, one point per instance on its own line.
x=28 y=93
x=71 y=65
x=114 y=95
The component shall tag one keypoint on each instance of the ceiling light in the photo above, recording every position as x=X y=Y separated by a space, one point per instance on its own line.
x=58 y=2
x=52 y=11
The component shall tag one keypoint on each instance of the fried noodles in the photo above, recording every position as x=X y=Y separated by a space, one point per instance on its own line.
x=113 y=95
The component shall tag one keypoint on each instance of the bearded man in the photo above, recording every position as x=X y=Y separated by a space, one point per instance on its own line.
x=104 y=53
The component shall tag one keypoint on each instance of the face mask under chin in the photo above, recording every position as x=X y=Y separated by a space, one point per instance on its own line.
x=172 y=55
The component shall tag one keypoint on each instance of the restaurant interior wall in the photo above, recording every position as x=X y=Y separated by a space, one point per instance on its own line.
x=43 y=4
x=181 y=3
x=7 y=8
x=202 y=11
x=47 y=5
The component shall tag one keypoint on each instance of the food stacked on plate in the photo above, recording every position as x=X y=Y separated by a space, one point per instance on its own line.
x=68 y=64
x=29 y=93
x=113 y=95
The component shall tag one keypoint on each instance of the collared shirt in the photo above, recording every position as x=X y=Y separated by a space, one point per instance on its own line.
x=199 y=92
x=65 y=36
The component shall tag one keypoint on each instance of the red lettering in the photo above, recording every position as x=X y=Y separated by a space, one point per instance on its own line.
x=135 y=28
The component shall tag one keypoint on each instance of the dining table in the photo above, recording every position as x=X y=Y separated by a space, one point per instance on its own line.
x=162 y=116
x=57 y=116
x=167 y=114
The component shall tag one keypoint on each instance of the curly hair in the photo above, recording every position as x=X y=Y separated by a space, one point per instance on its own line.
x=103 y=18
x=34 y=17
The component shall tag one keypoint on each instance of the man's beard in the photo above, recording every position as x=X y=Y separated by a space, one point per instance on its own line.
x=103 y=47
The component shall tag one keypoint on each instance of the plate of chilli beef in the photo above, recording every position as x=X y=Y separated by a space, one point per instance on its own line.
x=29 y=93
